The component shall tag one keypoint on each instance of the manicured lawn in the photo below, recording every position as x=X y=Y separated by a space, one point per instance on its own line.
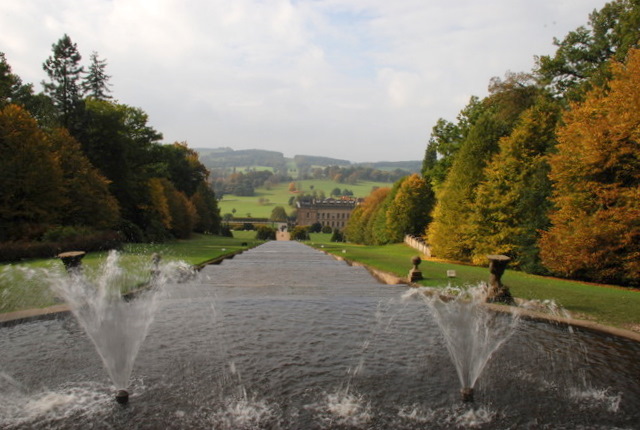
x=25 y=286
x=606 y=304
x=22 y=286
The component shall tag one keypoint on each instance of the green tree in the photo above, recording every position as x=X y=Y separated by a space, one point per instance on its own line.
x=595 y=232
x=410 y=210
x=278 y=214
x=96 y=82
x=118 y=141
x=31 y=194
x=451 y=232
x=512 y=202
x=8 y=82
x=14 y=91
x=582 y=57
x=446 y=138
x=206 y=205
x=64 y=86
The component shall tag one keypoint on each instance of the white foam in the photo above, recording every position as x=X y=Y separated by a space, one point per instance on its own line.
x=593 y=397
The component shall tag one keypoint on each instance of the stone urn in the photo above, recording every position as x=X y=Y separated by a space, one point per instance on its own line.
x=497 y=291
x=72 y=260
x=415 y=274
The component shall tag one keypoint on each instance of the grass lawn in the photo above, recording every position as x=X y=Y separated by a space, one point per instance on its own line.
x=605 y=304
x=25 y=286
x=279 y=195
x=22 y=285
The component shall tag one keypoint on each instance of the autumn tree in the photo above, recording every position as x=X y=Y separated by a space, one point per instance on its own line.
x=31 y=177
x=595 y=232
x=183 y=213
x=180 y=164
x=155 y=216
x=410 y=210
x=86 y=191
x=206 y=205
x=511 y=204
x=358 y=226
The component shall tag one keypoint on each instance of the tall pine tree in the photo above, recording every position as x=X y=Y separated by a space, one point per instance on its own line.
x=512 y=202
x=65 y=78
x=96 y=83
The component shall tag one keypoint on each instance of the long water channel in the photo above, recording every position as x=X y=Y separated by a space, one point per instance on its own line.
x=286 y=337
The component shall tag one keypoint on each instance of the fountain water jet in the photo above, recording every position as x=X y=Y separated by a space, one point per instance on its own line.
x=472 y=331
x=116 y=325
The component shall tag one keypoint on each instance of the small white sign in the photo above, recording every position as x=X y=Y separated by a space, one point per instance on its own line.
x=451 y=273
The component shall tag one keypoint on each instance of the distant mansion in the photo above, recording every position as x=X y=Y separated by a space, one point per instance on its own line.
x=332 y=212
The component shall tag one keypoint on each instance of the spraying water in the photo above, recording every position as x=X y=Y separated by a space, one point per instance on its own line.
x=117 y=326
x=472 y=331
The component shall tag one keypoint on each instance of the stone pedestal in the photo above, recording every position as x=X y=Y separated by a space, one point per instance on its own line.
x=72 y=260
x=497 y=291
x=466 y=394
x=415 y=274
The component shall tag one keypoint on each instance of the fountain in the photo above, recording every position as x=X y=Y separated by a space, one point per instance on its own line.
x=472 y=332
x=116 y=324
x=322 y=347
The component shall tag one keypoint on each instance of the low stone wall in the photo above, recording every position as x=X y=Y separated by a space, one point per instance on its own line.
x=419 y=244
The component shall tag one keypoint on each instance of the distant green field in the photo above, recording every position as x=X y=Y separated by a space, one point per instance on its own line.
x=279 y=195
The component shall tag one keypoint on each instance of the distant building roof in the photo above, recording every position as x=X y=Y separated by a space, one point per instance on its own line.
x=347 y=203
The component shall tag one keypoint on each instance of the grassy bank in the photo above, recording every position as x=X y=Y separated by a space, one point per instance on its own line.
x=605 y=304
x=24 y=285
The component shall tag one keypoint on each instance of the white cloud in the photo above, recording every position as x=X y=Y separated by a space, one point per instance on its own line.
x=358 y=79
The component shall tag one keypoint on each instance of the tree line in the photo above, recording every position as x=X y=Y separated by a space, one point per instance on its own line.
x=74 y=158
x=545 y=169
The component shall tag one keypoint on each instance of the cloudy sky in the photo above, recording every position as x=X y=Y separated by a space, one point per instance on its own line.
x=363 y=80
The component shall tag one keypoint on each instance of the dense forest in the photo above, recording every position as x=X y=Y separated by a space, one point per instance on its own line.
x=78 y=166
x=545 y=169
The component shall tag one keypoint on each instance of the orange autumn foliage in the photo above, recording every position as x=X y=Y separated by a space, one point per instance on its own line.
x=595 y=231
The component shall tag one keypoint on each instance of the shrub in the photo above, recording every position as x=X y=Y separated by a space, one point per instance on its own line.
x=66 y=233
x=337 y=236
x=326 y=229
x=300 y=233
x=225 y=231
x=131 y=232
x=316 y=227
x=96 y=241
x=265 y=233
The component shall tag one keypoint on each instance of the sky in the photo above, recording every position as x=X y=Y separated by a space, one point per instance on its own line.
x=361 y=80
